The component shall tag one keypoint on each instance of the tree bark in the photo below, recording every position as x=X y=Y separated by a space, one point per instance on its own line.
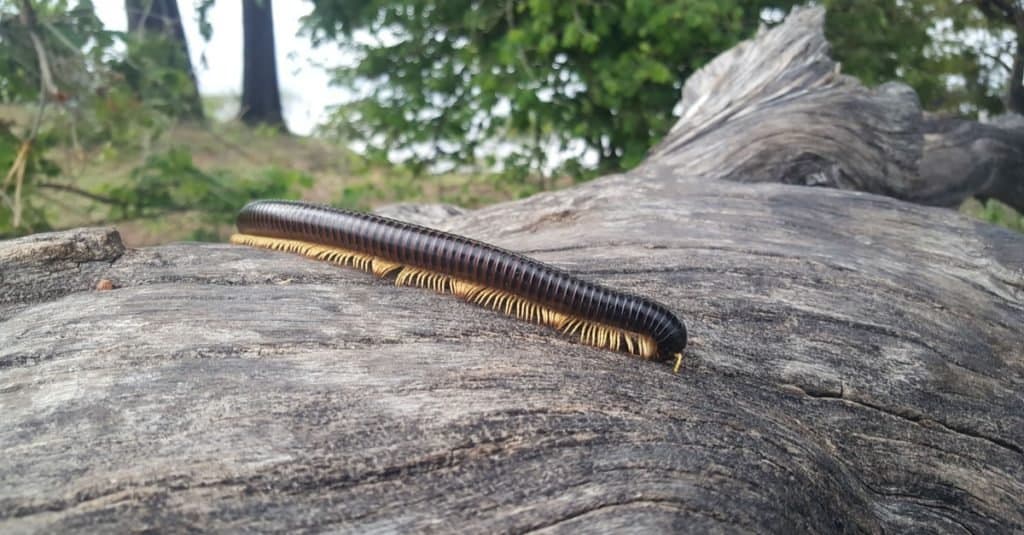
x=161 y=17
x=261 y=98
x=856 y=362
x=964 y=159
x=1015 y=93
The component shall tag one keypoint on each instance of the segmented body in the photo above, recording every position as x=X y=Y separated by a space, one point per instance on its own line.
x=474 y=270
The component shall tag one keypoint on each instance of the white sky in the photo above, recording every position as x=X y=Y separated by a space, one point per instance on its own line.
x=305 y=91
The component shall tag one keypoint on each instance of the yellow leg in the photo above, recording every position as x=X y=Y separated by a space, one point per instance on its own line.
x=679 y=362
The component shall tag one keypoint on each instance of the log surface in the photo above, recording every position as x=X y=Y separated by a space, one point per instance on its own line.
x=856 y=364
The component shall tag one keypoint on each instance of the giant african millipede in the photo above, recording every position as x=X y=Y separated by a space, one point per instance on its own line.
x=472 y=270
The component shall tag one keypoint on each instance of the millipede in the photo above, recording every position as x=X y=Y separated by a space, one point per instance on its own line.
x=469 y=269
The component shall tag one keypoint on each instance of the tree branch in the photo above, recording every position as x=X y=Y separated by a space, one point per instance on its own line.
x=996 y=58
x=47 y=87
x=28 y=19
x=81 y=192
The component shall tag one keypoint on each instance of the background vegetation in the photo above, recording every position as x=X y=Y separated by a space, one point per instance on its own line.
x=460 y=101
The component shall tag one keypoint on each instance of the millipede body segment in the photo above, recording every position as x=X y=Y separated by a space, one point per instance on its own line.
x=472 y=270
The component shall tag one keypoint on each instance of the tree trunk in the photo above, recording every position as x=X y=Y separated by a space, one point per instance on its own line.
x=1015 y=94
x=261 y=99
x=161 y=17
x=1010 y=13
x=856 y=362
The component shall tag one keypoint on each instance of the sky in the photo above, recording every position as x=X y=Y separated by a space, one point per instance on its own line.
x=305 y=90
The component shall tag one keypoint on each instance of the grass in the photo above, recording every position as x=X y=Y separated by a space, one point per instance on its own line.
x=217 y=146
x=994 y=212
x=340 y=177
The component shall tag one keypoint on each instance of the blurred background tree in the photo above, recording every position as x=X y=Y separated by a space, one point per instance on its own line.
x=1007 y=17
x=261 y=97
x=495 y=99
x=439 y=83
x=155 y=27
x=960 y=56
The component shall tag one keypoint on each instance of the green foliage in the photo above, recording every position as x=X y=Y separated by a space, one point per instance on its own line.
x=118 y=94
x=445 y=81
x=153 y=68
x=170 y=181
x=994 y=212
x=935 y=46
x=33 y=164
x=365 y=195
x=401 y=185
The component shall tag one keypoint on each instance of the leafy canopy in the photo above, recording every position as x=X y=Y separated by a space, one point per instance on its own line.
x=947 y=50
x=441 y=84
x=437 y=82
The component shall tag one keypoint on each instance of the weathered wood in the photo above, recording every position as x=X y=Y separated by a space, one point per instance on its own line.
x=420 y=214
x=856 y=364
x=963 y=159
x=777 y=109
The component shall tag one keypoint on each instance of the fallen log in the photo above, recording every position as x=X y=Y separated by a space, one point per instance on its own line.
x=856 y=364
x=795 y=119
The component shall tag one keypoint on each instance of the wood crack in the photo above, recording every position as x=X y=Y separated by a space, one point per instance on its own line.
x=913 y=417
